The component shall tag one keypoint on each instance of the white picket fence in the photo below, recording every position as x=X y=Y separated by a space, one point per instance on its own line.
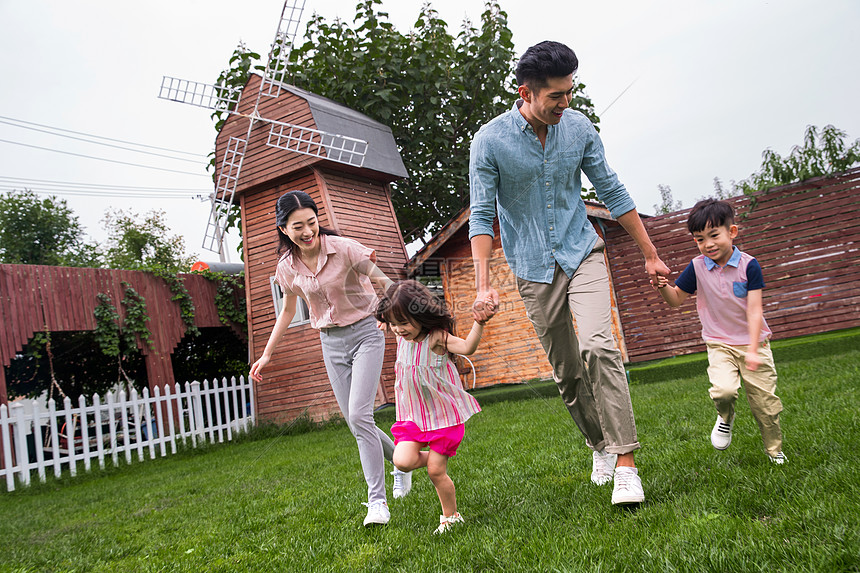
x=122 y=425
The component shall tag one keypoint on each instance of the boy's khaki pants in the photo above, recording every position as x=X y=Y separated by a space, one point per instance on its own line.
x=589 y=371
x=727 y=368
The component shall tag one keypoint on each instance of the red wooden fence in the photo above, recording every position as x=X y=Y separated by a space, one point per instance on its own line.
x=38 y=298
x=804 y=235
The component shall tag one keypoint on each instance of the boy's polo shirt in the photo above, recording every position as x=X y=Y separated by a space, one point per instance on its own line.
x=338 y=291
x=721 y=296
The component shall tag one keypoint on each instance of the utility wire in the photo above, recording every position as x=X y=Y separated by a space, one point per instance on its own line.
x=103 y=159
x=111 y=145
x=67 y=184
x=99 y=136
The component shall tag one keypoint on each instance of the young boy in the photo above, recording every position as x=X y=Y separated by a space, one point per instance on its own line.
x=728 y=284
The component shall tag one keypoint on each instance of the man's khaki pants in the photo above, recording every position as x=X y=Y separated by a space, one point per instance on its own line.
x=589 y=371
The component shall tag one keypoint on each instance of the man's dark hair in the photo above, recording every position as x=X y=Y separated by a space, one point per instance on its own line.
x=710 y=212
x=543 y=61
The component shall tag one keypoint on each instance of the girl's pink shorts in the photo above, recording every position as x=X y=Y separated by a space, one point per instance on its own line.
x=443 y=441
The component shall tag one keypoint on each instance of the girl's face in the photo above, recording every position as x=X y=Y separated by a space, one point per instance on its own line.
x=409 y=330
x=303 y=229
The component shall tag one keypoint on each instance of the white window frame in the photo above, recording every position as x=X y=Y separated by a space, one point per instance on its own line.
x=302 y=315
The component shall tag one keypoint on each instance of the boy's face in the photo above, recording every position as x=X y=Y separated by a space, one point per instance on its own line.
x=716 y=242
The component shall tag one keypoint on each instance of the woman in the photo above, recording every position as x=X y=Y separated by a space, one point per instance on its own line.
x=335 y=277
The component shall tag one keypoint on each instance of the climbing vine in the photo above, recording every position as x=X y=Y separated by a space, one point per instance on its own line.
x=180 y=295
x=117 y=340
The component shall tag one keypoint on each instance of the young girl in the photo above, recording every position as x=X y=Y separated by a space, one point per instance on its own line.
x=432 y=405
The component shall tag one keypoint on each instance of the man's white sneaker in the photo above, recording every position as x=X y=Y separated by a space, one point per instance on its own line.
x=721 y=435
x=377 y=513
x=602 y=467
x=779 y=458
x=446 y=523
x=402 y=483
x=628 y=486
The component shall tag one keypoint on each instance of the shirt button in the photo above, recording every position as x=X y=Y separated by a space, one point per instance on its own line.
x=547 y=183
x=548 y=206
x=550 y=228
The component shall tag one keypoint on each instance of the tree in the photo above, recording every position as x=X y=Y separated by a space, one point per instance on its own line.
x=667 y=202
x=143 y=243
x=42 y=231
x=822 y=154
x=433 y=89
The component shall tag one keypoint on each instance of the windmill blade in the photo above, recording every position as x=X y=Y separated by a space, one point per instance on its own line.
x=316 y=143
x=225 y=188
x=288 y=27
x=199 y=94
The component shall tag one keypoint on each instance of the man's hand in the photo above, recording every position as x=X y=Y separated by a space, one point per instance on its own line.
x=485 y=305
x=656 y=268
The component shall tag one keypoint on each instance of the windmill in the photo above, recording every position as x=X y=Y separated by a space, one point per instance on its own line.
x=282 y=135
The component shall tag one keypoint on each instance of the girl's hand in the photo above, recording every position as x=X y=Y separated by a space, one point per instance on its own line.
x=257 y=367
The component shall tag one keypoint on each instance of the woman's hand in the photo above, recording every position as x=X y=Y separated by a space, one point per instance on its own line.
x=257 y=367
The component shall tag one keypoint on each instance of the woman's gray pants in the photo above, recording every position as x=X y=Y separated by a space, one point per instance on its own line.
x=353 y=359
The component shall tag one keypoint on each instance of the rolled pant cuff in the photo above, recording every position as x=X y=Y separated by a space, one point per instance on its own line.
x=625 y=449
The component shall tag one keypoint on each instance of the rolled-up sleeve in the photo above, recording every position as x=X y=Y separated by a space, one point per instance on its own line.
x=483 y=187
x=608 y=187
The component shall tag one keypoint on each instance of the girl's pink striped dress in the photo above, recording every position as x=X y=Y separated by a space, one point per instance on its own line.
x=428 y=389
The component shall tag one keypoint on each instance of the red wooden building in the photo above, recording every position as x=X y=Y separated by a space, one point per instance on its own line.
x=55 y=299
x=354 y=201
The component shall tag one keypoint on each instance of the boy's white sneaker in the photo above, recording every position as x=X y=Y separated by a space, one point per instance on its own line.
x=602 y=467
x=377 y=513
x=628 y=486
x=402 y=483
x=446 y=523
x=778 y=459
x=721 y=435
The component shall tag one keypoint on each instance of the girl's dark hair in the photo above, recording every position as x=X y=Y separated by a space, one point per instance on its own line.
x=411 y=300
x=287 y=203
x=710 y=212
x=543 y=61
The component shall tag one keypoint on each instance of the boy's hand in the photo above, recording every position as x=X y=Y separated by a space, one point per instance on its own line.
x=660 y=282
x=753 y=361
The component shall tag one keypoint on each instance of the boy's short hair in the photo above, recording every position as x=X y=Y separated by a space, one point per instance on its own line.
x=711 y=212
x=545 y=60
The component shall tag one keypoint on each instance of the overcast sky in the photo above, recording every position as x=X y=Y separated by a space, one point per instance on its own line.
x=711 y=85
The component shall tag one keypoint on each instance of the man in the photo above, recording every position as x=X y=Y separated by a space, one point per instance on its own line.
x=528 y=162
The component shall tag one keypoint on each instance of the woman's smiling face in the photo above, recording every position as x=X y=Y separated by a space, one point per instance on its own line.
x=303 y=228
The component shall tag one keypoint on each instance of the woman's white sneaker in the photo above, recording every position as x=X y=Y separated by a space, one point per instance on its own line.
x=402 y=483
x=377 y=513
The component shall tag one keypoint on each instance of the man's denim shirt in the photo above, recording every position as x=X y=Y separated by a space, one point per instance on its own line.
x=541 y=214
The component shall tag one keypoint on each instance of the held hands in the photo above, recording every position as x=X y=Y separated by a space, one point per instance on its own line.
x=660 y=282
x=485 y=305
x=656 y=270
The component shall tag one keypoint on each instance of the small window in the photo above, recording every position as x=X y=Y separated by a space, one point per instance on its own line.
x=302 y=315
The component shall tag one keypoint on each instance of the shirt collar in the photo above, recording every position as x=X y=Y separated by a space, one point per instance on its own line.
x=519 y=120
x=733 y=261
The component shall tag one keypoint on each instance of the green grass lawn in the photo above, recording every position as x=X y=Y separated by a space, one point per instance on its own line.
x=293 y=502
